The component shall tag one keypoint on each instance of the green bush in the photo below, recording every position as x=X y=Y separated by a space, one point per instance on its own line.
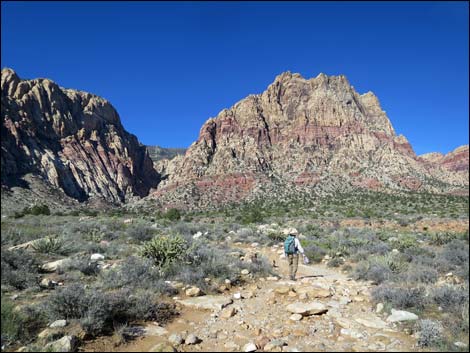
x=37 y=210
x=49 y=245
x=19 y=269
x=98 y=311
x=172 y=214
x=164 y=250
x=11 y=322
x=20 y=325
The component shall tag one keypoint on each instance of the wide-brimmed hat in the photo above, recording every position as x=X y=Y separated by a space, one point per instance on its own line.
x=291 y=231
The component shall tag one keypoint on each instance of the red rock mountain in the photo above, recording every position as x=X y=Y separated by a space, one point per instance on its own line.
x=73 y=140
x=301 y=135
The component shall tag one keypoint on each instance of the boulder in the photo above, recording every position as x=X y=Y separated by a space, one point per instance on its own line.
x=249 y=347
x=175 y=339
x=193 y=292
x=401 y=315
x=228 y=313
x=53 y=266
x=372 y=322
x=58 y=323
x=65 y=344
x=192 y=339
x=96 y=257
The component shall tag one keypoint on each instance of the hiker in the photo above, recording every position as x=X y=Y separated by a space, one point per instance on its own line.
x=292 y=248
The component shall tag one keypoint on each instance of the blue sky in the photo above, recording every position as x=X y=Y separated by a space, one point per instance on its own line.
x=168 y=67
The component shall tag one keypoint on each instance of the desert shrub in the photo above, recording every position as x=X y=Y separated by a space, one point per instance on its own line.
x=378 y=248
x=451 y=298
x=49 y=245
x=276 y=237
x=244 y=235
x=440 y=239
x=251 y=215
x=375 y=272
x=20 y=325
x=173 y=214
x=430 y=332
x=260 y=267
x=37 y=210
x=11 y=322
x=164 y=250
x=404 y=241
x=335 y=262
x=380 y=268
x=456 y=252
x=140 y=233
x=205 y=261
x=400 y=297
x=420 y=274
x=98 y=311
x=313 y=252
x=19 y=269
x=82 y=264
x=135 y=273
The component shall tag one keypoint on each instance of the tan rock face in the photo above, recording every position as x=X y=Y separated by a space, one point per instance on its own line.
x=72 y=139
x=300 y=133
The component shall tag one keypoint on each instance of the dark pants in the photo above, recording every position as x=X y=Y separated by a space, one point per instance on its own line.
x=293 y=264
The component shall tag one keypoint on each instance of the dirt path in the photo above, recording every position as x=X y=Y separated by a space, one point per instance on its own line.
x=350 y=324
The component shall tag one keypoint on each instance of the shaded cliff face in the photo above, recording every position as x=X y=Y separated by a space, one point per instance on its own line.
x=299 y=132
x=72 y=139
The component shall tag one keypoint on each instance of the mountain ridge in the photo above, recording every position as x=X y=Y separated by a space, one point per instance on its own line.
x=299 y=135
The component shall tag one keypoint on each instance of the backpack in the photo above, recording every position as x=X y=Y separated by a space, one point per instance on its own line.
x=289 y=245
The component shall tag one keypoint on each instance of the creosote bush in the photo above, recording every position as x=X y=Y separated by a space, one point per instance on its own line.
x=99 y=311
x=19 y=269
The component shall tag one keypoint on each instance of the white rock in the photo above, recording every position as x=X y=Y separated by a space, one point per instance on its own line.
x=193 y=292
x=237 y=296
x=379 y=308
x=65 y=344
x=460 y=344
x=175 y=339
x=372 y=322
x=192 y=339
x=307 y=309
x=197 y=235
x=96 y=257
x=401 y=315
x=249 y=347
x=53 y=266
x=245 y=272
x=295 y=317
x=58 y=323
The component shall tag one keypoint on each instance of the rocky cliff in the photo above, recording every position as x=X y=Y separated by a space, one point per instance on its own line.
x=73 y=140
x=454 y=161
x=300 y=133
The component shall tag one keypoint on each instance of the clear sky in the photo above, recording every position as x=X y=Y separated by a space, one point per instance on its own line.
x=168 y=67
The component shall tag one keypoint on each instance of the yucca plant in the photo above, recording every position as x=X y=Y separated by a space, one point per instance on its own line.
x=164 y=250
x=390 y=261
x=48 y=245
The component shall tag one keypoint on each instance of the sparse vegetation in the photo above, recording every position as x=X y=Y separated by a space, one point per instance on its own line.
x=414 y=265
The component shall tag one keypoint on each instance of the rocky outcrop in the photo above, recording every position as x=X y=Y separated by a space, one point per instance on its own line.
x=299 y=134
x=73 y=140
x=455 y=161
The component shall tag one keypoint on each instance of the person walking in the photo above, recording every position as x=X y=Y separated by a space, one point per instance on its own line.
x=292 y=247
